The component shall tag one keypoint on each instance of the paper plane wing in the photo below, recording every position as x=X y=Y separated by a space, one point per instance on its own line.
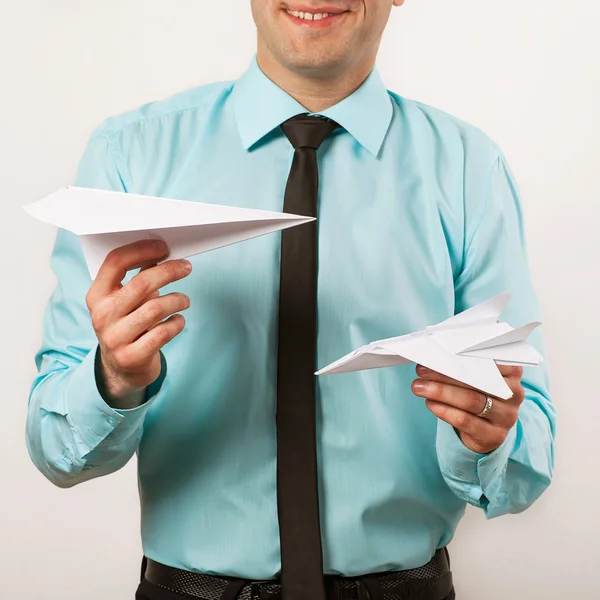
x=518 y=354
x=488 y=311
x=362 y=359
x=509 y=337
x=509 y=348
x=457 y=340
x=105 y=220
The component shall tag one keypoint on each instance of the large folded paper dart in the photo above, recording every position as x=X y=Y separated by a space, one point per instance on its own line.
x=466 y=347
x=105 y=220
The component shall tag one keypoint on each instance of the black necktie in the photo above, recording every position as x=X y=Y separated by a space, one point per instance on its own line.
x=297 y=484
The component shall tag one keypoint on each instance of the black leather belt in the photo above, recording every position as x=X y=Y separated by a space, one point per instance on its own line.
x=432 y=581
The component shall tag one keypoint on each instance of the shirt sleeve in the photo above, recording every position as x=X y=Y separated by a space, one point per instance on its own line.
x=72 y=434
x=512 y=477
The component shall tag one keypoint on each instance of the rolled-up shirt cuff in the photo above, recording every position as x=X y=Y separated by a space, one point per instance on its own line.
x=90 y=417
x=475 y=477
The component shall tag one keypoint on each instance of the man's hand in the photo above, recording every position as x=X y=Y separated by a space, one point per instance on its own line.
x=128 y=319
x=459 y=405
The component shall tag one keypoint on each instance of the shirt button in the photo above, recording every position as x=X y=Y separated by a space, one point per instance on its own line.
x=112 y=421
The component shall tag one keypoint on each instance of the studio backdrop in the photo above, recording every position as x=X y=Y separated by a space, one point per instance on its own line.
x=526 y=72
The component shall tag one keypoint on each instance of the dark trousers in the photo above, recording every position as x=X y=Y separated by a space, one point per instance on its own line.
x=148 y=591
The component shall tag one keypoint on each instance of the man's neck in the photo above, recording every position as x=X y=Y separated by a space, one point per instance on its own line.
x=314 y=93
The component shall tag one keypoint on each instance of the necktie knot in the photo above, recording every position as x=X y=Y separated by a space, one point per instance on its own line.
x=307 y=131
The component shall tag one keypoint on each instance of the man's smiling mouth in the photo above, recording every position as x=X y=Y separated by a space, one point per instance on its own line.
x=307 y=16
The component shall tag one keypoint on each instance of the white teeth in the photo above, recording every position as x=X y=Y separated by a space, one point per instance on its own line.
x=308 y=16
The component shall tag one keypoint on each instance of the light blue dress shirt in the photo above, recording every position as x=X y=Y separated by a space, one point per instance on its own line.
x=419 y=218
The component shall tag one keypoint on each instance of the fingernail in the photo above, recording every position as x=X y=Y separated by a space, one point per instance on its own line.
x=419 y=386
x=187 y=265
x=422 y=370
x=160 y=245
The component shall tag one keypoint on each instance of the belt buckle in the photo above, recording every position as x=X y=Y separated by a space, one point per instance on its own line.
x=257 y=591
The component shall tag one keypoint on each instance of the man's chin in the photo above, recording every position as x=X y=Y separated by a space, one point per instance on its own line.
x=317 y=63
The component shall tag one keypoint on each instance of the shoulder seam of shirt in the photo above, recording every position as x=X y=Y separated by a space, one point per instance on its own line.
x=496 y=156
x=456 y=121
x=115 y=153
x=494 y=150
x=108 y=131
x=478 y=218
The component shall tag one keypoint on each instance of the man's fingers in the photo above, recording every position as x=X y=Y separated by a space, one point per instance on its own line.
x=474 y=427
x=460 y=419
x=151 y=313
x=511 y=371
x=142 y=350
x=123 y=259
x=146 y=283
x=426 y=373
x=503 y=412
x=145 y=267
x=460 y=397
x=517 y=390
x=512 y=375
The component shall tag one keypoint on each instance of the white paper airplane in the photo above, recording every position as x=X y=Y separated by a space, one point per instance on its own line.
x=466 y=347
x=105 y=220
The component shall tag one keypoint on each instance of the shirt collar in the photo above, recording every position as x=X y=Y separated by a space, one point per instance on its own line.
x=260 y=106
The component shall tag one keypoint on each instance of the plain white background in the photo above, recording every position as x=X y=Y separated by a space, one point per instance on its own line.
x=527 y=72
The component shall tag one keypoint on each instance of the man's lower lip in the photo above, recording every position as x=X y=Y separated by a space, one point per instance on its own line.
x=319 y=23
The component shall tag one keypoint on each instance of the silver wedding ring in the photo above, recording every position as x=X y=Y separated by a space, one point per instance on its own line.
x=488 y=406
